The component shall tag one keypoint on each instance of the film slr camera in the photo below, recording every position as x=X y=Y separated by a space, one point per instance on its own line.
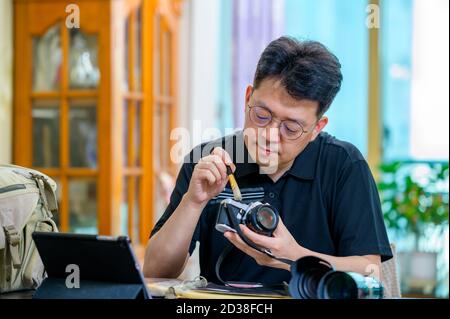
x=261 y=218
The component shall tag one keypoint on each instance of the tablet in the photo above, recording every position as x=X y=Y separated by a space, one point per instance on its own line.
x=106 y=265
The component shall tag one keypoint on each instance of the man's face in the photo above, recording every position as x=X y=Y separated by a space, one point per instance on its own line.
x=267 y=145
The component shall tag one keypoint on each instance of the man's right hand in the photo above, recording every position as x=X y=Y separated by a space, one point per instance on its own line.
x=168 y=249
x=209 y=177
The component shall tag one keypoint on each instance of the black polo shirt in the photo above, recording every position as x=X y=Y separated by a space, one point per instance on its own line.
x=328 y=201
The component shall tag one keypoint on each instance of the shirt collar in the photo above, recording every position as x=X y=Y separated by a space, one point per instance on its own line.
x=305 y=164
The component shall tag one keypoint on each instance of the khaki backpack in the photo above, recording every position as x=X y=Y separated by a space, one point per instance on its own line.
x=27 y=204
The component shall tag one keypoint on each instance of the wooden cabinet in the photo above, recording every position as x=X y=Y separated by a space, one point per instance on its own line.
x=86 y=101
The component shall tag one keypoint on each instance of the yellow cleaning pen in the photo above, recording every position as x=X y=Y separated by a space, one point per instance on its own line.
x=234 y=186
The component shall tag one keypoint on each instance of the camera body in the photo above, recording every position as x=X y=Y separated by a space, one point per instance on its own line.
x=262 y=218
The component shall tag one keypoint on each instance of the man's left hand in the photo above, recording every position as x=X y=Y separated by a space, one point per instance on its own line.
x=281 y=245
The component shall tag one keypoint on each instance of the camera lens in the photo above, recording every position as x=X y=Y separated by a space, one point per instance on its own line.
x=310 y=282
x=262 y=219
x=337 y=285
x=267 y=218
x=313 y=277
x=306 y=275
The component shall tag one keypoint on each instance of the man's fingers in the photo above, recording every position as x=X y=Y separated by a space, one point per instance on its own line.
x=224 y=156
x=218 y=162
x=258 y=239
x=207 y=175
x=281 y=228
x=210 y=166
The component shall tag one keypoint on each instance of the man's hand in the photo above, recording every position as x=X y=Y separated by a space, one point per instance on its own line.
x=209 y=177
x=282 y=245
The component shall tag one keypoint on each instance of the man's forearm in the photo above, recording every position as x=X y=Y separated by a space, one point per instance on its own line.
x=167 y=249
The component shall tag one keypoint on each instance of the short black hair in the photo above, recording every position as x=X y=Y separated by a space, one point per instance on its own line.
x=306 y=69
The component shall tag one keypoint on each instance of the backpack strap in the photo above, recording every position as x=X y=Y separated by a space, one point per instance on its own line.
x=46 y=192
x=12 y=237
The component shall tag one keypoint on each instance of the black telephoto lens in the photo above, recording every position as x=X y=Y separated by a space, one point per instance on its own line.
x=310 y=282
x=306 y=275
x=337 y=285
x=314 y=278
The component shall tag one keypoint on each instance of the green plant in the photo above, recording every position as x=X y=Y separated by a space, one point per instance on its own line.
x=412 y=202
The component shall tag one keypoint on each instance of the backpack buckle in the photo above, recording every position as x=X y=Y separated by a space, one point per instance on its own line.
x=13 y=238
x=12 y=235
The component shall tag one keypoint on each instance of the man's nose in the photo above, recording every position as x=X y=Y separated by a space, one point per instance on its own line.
x=271 y=133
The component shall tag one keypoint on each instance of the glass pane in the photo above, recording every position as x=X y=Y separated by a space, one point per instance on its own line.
x=138 y=52
x=83 y=72
x=83 y=134
x=156 y=140
x=166 y=63
x=125 y=56
x=161 y=141
x=396 y=71
x=83 y=206
x=45 y=116
x=159 y=204
x=136 y=143
x=137 y=135
x=430 y=66
x=323 y=22
x=157 y=137
x=135 y=238
x=124 y=208
x=47 y=59
x=125 y=134
x=156 y=56
x=165 y=137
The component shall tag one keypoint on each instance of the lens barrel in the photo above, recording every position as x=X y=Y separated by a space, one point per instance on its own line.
x=314 y=278
x=262 y=219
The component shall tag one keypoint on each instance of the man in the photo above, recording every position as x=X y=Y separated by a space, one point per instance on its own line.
x=322 y=187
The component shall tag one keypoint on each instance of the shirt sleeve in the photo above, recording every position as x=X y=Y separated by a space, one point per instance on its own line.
x=181 y=187
x=358 y=220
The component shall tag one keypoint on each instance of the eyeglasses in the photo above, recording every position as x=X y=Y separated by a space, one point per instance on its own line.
x=262 y=116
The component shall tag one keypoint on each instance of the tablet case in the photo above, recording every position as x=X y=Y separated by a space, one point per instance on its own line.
x=55 y=288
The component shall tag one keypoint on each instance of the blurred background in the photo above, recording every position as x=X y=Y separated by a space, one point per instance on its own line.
x=90 y=92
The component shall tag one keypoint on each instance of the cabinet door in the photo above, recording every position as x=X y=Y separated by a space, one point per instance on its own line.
x=165 y=24
x=85 y=102
x=149 y=109
x=58 y=103
x=133 y=100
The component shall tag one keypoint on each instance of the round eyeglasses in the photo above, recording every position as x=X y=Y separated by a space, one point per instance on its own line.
x=262 y=116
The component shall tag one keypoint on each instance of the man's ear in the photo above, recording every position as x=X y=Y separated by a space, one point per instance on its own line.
x=248 y=94
x=319 y=127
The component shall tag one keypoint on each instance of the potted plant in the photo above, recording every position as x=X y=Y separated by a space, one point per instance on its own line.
x=414 y=200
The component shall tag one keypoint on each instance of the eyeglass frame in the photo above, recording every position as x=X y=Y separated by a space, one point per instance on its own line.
x=274 y=118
